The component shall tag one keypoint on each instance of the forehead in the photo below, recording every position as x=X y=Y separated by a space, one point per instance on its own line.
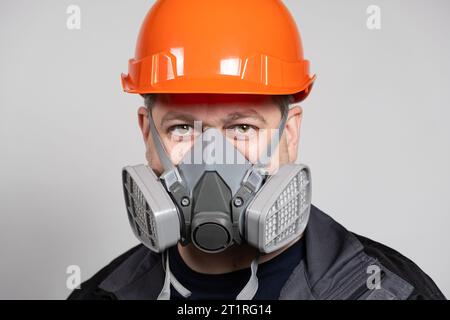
x=218 y=103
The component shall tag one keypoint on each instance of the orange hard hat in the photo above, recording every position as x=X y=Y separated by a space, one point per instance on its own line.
x=219 y=46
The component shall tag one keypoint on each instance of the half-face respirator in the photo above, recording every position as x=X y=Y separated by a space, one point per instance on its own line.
x=217 y=198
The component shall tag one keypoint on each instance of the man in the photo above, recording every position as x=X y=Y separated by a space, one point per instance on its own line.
x=226 y=76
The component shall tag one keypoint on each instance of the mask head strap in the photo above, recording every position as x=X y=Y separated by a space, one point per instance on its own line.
x=170 y=174
x=274 y=142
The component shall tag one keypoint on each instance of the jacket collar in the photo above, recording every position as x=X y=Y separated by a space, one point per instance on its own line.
x=334 y=256
x=336 y=267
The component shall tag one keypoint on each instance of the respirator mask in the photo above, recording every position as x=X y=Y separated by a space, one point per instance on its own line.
x=215 y=197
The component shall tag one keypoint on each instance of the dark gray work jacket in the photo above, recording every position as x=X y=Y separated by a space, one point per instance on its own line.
x=338 y=265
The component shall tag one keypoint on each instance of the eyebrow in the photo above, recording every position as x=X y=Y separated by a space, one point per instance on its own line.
x=177 y=116
x=248 y=113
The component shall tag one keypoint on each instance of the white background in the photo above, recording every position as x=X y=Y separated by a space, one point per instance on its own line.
x=375 y=132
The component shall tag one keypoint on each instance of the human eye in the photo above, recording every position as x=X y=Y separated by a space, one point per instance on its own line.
x=181 y=131
x=242 y=131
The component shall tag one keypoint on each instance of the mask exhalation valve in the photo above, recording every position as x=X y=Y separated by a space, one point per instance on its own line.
x=211 y=222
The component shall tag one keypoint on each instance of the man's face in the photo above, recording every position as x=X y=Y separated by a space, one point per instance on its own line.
x=247 y=121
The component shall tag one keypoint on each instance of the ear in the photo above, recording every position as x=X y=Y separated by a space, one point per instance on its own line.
x=143 y=122
x=292 y=131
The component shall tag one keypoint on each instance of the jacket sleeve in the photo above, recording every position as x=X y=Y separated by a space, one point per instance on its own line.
x=424 y=286
x=89 y=289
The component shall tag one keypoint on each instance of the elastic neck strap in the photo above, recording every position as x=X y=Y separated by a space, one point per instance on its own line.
x=247 y=293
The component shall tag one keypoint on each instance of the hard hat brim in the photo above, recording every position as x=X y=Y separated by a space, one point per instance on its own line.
x=259 y=74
